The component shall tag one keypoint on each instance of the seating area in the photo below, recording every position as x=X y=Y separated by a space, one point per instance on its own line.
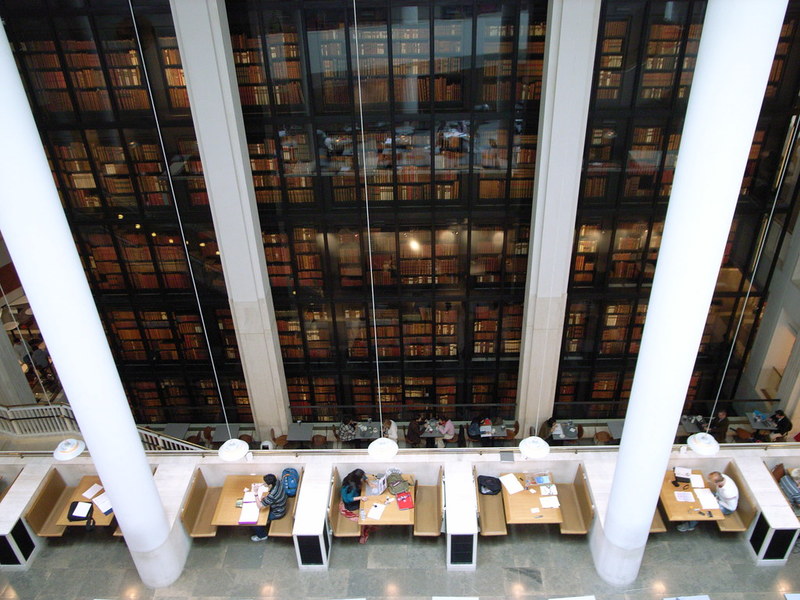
x=747 y=509
x=198 y=510
x=428 y=508
x=48 y=504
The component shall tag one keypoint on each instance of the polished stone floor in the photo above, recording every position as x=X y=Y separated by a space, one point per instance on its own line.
x=533 y=562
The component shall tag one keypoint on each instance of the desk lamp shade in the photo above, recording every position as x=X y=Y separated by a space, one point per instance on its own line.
x=703 y=444
x=534 y=447
x=382 y=448
x=233 y=450
x=68 y=449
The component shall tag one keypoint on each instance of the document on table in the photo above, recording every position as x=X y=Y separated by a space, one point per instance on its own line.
x=697 y=480
x=103 y=502
x=376 y=512
x=92 y=491
x=684 y=496
x=707 y=499
x=549 y=490
x=550 y=502
x=511 y=483
x=248 y=497
x=249 y=513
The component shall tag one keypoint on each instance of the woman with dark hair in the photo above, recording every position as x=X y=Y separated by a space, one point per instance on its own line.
x=351 y=500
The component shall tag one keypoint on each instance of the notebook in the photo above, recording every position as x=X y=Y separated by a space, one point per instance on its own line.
x=511 y=483
x=249 y=513
x=404 y=501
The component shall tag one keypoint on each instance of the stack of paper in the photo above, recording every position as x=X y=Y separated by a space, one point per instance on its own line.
x=697 y=480
x=511 y=483
x=549 y=490
x=707 y=499
x=92 y=491
x=684 y=496
x=81 y=509
x=550 y=502
x=376 y=511
x=249 y=513
x=103 y=503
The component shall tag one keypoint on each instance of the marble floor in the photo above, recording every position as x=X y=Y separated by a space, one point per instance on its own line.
x=532 y=562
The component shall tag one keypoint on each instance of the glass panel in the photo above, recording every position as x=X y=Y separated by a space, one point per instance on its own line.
x=124 y=65
x=491 y=161
x=373 y=53
x=452 y=49
x=447 y=318
x=327 y=53
x=289 y=334
x=347 y=253
x=286 y=70
x=308 y=248
x=387 y=324
x=412 y=144
x=487 y=250
x=485 y=325
x=447 y=270
x=417 y=330
x=415 y=258
x=451 y=160
x=335 y=145
x=384 y=263
x=494 y=56
x=411 y=54
x=264 y=164
x=318 y=332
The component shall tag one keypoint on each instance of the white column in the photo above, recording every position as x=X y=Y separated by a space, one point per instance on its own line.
x=733 y=63
x=205 y=43
x=39 y=240
x=569 y=59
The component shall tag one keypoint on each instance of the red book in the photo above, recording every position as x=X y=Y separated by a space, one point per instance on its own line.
x=404 y=501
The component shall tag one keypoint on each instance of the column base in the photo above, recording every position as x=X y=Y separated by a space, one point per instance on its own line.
x=163 y=566
x=615 y=565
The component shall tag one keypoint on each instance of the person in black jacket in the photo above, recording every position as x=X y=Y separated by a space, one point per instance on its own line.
x=719 y=426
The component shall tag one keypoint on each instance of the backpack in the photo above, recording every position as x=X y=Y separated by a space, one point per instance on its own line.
x=474 y=429
x=790 y=489
x=290 y=479
x=489 y=486
x=396 y=484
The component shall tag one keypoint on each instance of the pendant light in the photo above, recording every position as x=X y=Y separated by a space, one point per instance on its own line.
x=68 y=449
x=382 y=448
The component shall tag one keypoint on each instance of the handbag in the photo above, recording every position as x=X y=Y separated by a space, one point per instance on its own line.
x=80 y=507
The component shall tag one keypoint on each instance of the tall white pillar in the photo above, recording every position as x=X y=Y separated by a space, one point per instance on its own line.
x=733 y=64
x=569 y=59
x=204 y=40
x=39 y=240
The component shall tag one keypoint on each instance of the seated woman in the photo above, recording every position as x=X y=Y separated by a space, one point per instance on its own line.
x=351 y=500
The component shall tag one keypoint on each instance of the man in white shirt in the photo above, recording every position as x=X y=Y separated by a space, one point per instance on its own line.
x=727 y=494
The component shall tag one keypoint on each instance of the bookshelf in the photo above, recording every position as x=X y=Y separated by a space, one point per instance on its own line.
x=491 y=161
x=298 y=164
x=228 y=335
x=496 y=37
x=85 y=73
x=162 y=341
x=266 y=175
x=45 y=73
x=125 y=327
x=411 y=51
x=248 y=59
x=575 y=337
x=416 y=266
x=350 y=263
x=603 y=162
x=172 y=70
x=124 y=65
x=530 y=67
x=482 y=388
x=446 y=393
x=486 y=255
x=511 y=331
x=507 y=394
x=300 y=396
x=417 y=331
x=412 y=143
x=363 y=399
x=611 y=56
x=328 y=56
x=373 y=56
x=586 y=255
x=661 y=61
x=324 y=399
x=452 y=49
x=279 y=260
x=782 y=55
x=307 y=255
x=485 y=328
x=241 y=400
x=192 y=338
x=523 y=162
x=614 y=328
x=516 y=260
x=101 y=259
x=290 y=335
x=384 y=262
x=630 y=243
x=417 y=392
x=644 y=162
x=147 y=402
x=391 y=394
x=354 y=319
x=446 y=317
x=387 y=325
x=318 y=331
x=637 y=328
x=447 y=270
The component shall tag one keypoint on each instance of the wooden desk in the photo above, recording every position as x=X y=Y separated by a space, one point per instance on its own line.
x=100 y=520
x=518 y=506
x=391 y=514
x=684 y=511
x=227 y=513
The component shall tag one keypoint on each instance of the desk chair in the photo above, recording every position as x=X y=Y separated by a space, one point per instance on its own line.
x=280 y=442
x=247 y=438
x=601 y=438
x=319 y=441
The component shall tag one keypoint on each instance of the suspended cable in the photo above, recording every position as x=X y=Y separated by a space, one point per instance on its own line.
x=168 y=176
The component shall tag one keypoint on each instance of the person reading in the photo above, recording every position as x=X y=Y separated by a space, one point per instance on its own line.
x=275 y=499
x=351 y=500
x=727 y=495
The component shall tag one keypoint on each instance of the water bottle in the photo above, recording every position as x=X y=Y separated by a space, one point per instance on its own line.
x=362 y=514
